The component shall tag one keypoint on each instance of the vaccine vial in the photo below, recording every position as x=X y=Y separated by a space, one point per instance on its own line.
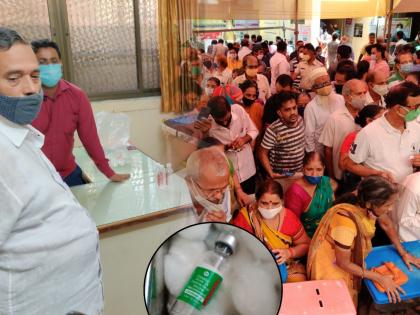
x=206 y=277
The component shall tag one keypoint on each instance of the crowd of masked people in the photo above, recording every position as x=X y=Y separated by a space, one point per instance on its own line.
x=317 y=155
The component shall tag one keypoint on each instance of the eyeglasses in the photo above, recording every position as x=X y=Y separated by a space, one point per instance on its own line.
x=211 y=192
x=321 y=85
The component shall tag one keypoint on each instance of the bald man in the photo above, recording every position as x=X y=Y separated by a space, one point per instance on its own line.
x=341 y=123
x=208 y=180
x=378 y=87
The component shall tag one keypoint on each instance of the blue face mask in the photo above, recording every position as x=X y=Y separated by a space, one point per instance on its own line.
x=313 y=180
x=50 y=74
x=407 y=67
x=21 y=110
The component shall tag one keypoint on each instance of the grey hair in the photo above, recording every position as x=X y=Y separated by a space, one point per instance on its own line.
x=349 y=85
x=208 y=156
x=375 y=190
x=9 y=37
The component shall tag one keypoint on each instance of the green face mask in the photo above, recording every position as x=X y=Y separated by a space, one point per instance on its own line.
x=196 y=71
x=411 y=114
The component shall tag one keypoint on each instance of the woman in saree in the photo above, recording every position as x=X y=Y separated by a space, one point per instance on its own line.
x=278 y=227
x=312 y=195
x=343 y=239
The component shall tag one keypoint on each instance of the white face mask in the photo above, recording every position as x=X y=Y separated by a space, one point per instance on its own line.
x=209 y=91
x=206 y=204
x=358 y=102
x=380 y=89
x=270 y=213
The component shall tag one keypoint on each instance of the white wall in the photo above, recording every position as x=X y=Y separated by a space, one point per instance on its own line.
x=146 y=120
x=358 y=42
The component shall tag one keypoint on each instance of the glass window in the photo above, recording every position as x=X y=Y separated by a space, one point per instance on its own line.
x=102 y=40
x=149 y=39
x=29 y=18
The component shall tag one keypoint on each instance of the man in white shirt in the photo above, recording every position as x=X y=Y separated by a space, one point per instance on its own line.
x=341 y=123
x=390 y=143
x=378 y=87
x=306 y=66
x=319 y=109
x=208 y=182
x=245 y=50
x=49 y=257
x=279 y=64
x=250 y=63
x=232 y=126
x=406 y=214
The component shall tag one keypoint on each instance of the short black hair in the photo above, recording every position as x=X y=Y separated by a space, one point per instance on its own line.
x=246 y=36
x=398 y=94
x=215 y=80
x=284 y=80
x=253 y=36
x=9 y=37
x=283 y=97
x=369 y=111
x=45 y=43
x=310 y=47
x=247 y=84
x=208 y=142
x=362 y=68
x=400 y=34
x=264 y=45
x=244 y=42
x=281 y=46
x=400 y=24
x=259 y=38
x=220 y=41
x=347 y=68
x=214 y=42
x=334 y=36
x=372 y=34
x=379 y=48
x=344 y=51
x=219 y=106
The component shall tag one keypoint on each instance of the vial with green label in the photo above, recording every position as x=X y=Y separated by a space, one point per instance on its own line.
x=206 y=277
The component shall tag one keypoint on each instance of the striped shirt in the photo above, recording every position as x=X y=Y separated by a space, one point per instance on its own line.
x=286 y=146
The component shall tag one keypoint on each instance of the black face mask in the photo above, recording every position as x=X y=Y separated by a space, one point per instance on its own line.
x=338 y=88
x=247 y=102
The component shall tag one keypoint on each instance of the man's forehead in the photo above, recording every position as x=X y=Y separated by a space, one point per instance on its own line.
x=19 y=58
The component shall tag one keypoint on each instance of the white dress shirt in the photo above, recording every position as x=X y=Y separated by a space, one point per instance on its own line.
x=318 y=110
x=382 y=147
x=337 y=127
x=407 y=210
x=49 y=258
x=240 y=126
x=279 y=65
x=244 y=51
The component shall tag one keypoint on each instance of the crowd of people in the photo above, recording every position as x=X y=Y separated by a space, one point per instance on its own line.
x=312 y=153
x=322 y=151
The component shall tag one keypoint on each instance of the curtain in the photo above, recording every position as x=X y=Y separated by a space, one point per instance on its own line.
x=175 y=33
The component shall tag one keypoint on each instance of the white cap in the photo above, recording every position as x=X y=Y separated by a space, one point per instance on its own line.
x=316 y=73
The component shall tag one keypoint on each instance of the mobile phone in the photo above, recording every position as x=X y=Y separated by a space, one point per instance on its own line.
x=204 y=113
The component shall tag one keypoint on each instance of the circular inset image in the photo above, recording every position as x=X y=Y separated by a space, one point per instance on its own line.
x=213 y=268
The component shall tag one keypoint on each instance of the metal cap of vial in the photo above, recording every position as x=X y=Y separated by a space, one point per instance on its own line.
x=226 y=244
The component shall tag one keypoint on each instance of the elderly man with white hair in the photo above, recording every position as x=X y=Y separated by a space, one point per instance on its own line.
x=341 y=123
x=208 y=180
x=319 y=109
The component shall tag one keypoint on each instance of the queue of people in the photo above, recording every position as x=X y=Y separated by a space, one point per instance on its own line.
x=327 y=146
